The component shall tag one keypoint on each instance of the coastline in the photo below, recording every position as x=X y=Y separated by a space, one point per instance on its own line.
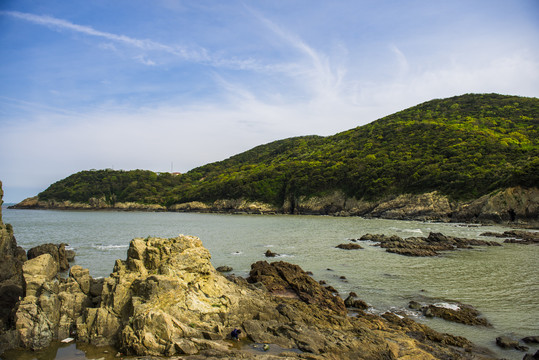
x=517 y=207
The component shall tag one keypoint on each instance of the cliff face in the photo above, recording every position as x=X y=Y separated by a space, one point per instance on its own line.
x=512 y=205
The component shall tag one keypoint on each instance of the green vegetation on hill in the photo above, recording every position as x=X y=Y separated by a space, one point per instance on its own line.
x=465 y=146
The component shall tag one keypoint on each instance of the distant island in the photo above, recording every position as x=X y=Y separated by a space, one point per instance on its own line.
x=472 y=158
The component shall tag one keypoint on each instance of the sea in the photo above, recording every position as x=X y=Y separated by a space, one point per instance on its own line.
x=501 y=282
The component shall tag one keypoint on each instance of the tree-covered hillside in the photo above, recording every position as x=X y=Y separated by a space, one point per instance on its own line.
x=464 y=147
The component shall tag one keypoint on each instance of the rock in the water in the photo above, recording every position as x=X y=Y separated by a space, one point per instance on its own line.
x=506 y=342
x=414 y=305
x=516 y=236
x=270 y=253
x=352 y=302
x=224 y=268
x=531 y=339
x=349 y=246
x=465 y=314
x=421 y=246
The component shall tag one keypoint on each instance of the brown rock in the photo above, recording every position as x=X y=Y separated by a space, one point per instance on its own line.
x=349 y=246
x=284 y=278
x=270 y=253
x=466 y=314
x=58 y=253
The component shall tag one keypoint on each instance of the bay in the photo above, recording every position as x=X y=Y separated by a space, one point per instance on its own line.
x=501 y=282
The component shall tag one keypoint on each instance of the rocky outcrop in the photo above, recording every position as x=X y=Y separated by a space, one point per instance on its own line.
x=51 y=305
x=511 y=205
x=12 y=284
x=424 y=246
x=93 y=204
x=226 y=206
x=287 y=279
x=58 y=252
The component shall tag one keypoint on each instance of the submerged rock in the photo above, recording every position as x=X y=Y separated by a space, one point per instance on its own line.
x=349 y=246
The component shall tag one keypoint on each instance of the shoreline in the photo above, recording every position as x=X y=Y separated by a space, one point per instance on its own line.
x=200 y=208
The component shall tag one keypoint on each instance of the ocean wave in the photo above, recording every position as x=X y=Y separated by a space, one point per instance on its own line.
x=415 y=231
x=109 y=247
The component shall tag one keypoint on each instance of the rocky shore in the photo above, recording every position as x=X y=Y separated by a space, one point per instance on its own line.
x=517 y=206
x=167 y=299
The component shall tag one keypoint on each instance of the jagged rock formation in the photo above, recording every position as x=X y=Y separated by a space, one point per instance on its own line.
x=424 y=246
x=12 y=284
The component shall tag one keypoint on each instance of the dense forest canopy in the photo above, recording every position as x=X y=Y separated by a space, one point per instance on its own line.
x=464 y=147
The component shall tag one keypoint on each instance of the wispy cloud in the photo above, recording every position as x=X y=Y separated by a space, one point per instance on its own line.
x=144 y=44
x=192 y=54
x=325 y=80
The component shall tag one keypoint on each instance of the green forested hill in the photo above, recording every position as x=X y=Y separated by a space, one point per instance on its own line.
x=464 y=147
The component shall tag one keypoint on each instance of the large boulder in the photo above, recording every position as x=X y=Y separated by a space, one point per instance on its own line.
x=51 y=306
x=58 y=252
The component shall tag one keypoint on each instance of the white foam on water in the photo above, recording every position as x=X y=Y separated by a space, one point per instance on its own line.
x=110 y=247
x=448 y=306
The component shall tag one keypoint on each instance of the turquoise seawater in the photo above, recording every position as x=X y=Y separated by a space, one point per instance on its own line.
x=501 y=282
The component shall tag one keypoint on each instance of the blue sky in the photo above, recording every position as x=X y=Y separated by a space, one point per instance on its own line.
x=177 y=84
